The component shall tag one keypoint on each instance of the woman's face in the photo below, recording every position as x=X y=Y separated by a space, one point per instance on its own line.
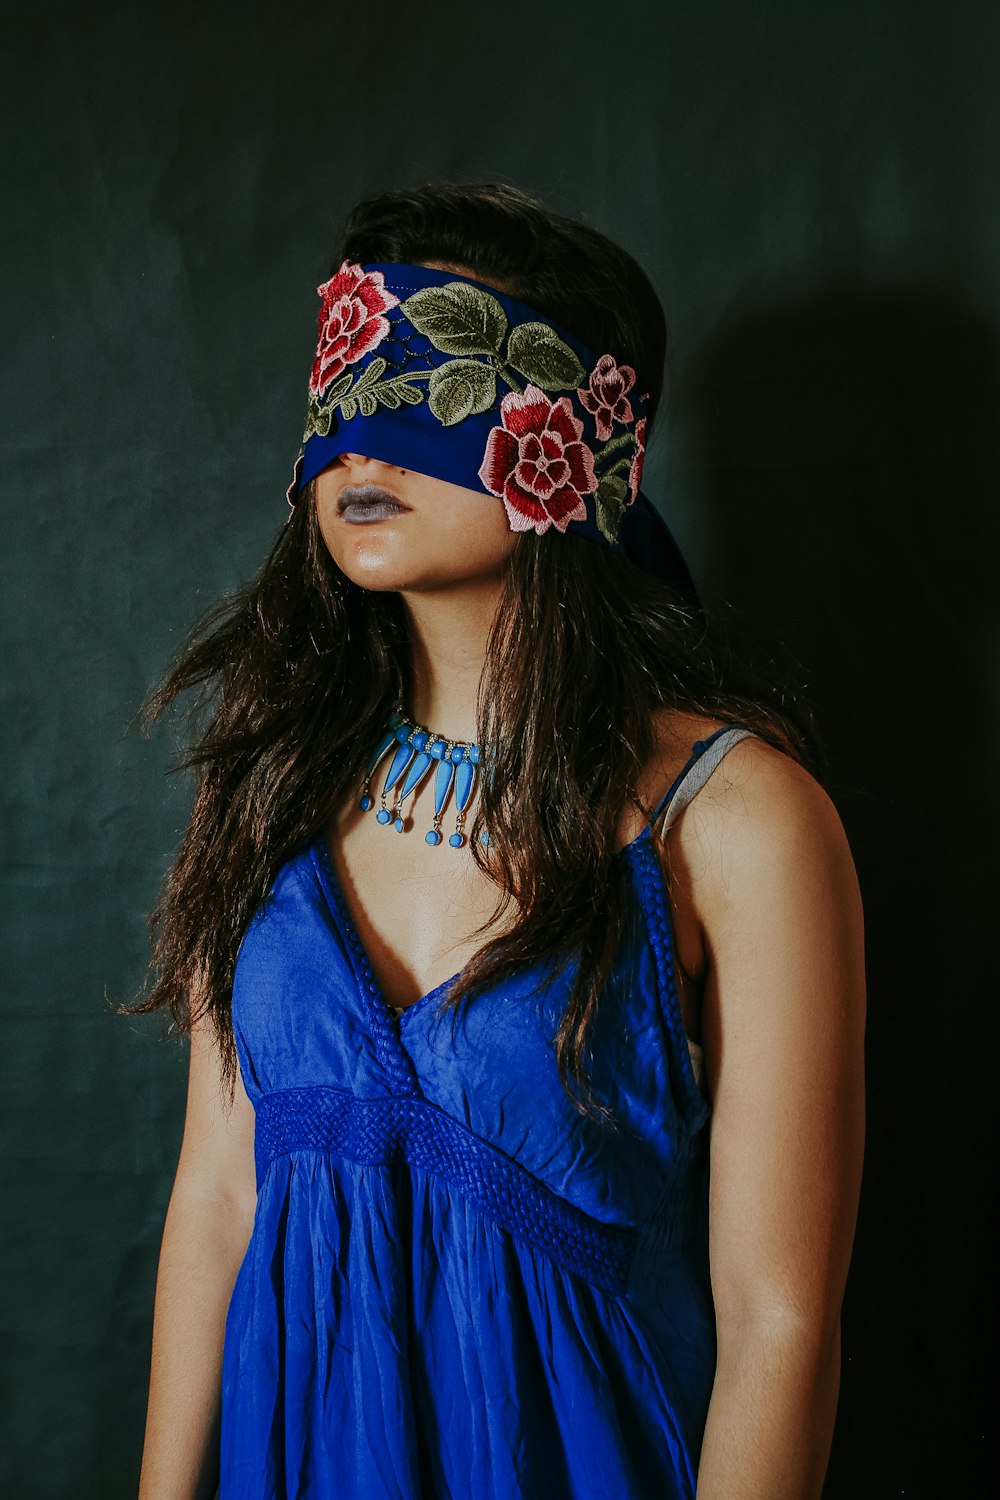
x=445 y=535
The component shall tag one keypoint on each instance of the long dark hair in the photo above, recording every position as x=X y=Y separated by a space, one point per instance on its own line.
x=297 y=671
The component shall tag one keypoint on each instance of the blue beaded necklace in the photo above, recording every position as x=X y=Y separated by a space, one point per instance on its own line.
x=417 y=749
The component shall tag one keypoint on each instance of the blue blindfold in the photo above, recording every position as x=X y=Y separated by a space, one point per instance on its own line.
x=442 y=374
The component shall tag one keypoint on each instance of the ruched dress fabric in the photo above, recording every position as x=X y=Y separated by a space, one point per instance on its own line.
x=456 y=1287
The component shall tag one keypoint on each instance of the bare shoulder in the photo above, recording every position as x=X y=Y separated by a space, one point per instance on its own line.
x=761 y=824
x=760 y=796
x=674 y=735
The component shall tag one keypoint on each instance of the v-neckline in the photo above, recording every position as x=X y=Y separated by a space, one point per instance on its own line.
x=338 y=900
x=335 y=891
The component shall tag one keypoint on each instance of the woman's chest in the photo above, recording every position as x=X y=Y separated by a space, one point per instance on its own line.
x=420 y=910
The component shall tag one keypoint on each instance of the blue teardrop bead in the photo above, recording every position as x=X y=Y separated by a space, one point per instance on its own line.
x=398 y=825
x=415 y=774
x=465 y=773
x=366 y=803
x=442 y=784
x=398 y=765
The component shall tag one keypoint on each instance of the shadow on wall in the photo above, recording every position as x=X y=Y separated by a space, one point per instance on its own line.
x=845 y=445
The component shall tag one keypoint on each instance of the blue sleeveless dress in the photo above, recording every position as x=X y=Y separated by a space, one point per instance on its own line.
x=455 y=1285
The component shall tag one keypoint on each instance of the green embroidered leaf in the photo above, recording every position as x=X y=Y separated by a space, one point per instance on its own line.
x=387 y=394
x=340 y=385
x=411 y=394
x=367 y=402
x=320 y=420
x=609 y=505
x=459 y=387
x=458 y=318
x=348 y=408
x=539 y=353
x=371 y=374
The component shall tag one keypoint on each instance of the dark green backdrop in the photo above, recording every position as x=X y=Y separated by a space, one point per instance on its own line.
x=812 y=187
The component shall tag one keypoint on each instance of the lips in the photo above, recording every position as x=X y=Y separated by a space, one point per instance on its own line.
x=369 y=503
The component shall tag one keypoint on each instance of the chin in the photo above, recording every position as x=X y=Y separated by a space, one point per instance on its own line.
x=380 y=567
x=367 y=565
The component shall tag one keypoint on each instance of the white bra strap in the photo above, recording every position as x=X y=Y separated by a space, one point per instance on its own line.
x=699 y=773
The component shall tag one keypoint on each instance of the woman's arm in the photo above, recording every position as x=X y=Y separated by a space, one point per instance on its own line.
x=783 y=1028
x=205 y=1235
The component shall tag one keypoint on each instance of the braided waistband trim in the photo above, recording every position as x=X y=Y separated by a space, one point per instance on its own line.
x=379 y=1132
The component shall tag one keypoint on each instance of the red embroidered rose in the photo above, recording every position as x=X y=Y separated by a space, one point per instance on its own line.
x=350 y=321
x=635 y=470
x=606 y=394
x=536 y=462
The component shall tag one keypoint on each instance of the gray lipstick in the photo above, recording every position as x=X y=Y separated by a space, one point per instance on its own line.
x=368 y=502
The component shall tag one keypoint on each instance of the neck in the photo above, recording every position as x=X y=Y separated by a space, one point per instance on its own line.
x=448 y=636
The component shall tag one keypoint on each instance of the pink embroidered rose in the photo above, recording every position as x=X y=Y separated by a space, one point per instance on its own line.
x=350 y=321
x=635 y=470
x=536 y=462
x=606 y=394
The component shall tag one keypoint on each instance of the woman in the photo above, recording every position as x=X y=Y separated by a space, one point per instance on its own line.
x=527 y=1165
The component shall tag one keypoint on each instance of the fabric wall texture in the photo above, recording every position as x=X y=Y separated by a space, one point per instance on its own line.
x=812 y=189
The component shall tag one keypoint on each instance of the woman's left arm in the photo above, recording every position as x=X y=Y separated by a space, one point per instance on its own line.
x=783 y=1030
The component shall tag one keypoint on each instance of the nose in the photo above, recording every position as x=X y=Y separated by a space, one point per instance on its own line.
x=362 y=461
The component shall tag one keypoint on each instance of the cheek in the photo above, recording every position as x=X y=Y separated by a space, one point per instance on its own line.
x=480 y=528
x=325 y=512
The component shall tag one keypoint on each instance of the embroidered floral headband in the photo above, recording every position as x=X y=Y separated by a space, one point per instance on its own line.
x=444 y=375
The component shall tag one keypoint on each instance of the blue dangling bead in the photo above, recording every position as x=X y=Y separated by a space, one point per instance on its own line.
x=484 y=837
x=456 y=841
x=383 y=815
x=432 y=837
x=398 y=825
x=366 y=803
